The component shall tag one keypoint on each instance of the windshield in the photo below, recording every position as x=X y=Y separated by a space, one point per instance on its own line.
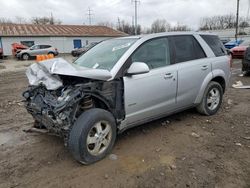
x=105 y=54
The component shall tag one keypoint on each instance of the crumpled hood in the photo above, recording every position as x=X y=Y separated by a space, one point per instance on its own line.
x=46 y=72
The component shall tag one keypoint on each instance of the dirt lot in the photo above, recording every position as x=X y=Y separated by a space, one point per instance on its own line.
x=183 y=150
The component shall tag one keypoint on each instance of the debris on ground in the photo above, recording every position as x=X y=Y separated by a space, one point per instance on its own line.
x=238 y=144
x=230 y=101
x=172 y=167
x=208 y=121
x=106 y=176
x=195 y=135
x=35 y=130
x=113 y=157
x=158 y=150
x=165 y=123
x=239 y=85
x=247 y=138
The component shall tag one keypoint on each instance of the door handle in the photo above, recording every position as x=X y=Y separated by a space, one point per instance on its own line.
x=204 y=67
x=168 y=76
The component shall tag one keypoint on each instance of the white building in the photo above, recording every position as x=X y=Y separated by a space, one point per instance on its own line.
x=63 y=37
x=230 y=33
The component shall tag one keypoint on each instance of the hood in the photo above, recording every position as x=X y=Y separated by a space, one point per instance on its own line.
x=23 y=50
x=239 y=48
x=47 y=72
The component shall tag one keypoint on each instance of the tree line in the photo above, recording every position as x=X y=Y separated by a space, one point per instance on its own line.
x=222 y=22
x=216 y=22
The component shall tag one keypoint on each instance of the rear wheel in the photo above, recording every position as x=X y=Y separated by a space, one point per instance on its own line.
x=92 y=136
x=212 y=99
x=51 y=53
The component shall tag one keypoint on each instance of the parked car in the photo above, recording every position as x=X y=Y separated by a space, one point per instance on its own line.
x=36 y=50
x=125 y=82
x=79 y=51
x=224 y=40
x=246 y=62
x=239 y=51
x=233 y=43
x=16 y=48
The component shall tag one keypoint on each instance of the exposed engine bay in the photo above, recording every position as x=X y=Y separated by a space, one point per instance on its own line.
x=57 y=109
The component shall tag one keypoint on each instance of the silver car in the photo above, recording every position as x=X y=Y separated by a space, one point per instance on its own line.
x=36 y=50
x=124 y=82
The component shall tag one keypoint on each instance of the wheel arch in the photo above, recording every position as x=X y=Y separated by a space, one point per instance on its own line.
x=216 y=76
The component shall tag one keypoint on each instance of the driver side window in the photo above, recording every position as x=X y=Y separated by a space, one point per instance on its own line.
x=155 y=53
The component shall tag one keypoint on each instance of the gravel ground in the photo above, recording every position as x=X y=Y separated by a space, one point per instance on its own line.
x=183 y=150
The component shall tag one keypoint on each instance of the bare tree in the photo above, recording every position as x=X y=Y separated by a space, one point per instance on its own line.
x=46 y=20
x=218 y=22
x=160 y=25
x=179 y=27
x=5 y=20
x=128 y=28
x=20 y=20
x=107 y=24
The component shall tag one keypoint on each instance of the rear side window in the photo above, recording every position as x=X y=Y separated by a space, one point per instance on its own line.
x=45 y=46
x=215 y=44
x=186 y=48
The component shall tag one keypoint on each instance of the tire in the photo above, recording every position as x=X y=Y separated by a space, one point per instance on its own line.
x=86 y=128
x=25 y=56
x=210 y=108
x=51 y=53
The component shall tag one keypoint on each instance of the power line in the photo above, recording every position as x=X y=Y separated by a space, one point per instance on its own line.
x=136 y=2
x=90 y=15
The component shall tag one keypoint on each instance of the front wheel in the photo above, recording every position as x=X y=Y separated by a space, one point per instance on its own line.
x=25 y=57
x=92 y=136
x=212 y=99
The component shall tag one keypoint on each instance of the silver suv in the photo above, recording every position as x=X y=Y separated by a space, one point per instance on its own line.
x=36 y=50
x=124 y=82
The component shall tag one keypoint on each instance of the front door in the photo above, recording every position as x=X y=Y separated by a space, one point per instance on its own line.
x=152 y=94
x=77 y=43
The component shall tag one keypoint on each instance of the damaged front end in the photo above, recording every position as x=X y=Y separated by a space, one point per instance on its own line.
x=56 y=100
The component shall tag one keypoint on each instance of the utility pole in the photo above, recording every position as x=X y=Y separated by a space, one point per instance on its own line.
x=136 y=2
x=89 y=15
x=237 y=20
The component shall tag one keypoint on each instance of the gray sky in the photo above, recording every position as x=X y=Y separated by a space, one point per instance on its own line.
x=75 y=11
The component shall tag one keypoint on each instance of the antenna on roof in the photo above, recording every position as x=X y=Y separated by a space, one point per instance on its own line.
x=89 y=15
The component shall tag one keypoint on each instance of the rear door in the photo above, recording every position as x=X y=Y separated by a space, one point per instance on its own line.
x=35 y=50
x=150 y=95
x=45 y=49
x=193 y=67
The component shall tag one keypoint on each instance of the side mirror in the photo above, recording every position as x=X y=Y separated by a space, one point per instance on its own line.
x=137 y=68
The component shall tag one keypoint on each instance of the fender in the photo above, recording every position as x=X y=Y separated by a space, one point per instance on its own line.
x=209 y=77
